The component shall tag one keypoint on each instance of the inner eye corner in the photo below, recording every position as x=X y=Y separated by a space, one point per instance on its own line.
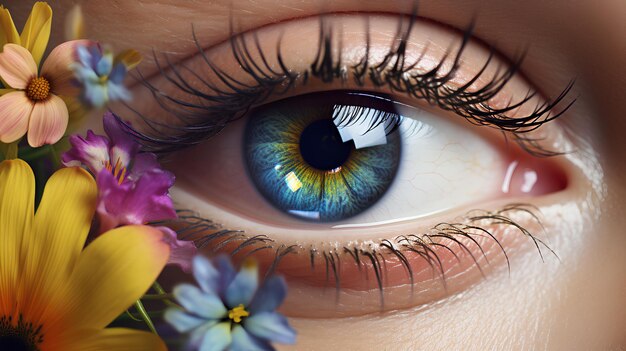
x=322 y=161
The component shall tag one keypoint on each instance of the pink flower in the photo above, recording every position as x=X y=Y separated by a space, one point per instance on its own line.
x=35 y=104
x=132 y=186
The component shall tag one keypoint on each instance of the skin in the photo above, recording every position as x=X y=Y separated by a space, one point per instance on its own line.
x=577 y=303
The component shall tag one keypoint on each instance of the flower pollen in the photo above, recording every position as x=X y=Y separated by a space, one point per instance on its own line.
x=38 y=89
x=236 y=313
x=119 y=171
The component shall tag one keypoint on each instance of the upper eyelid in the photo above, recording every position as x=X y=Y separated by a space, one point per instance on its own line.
x=327 y=71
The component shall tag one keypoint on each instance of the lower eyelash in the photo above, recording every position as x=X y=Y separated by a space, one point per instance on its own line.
x=202 y=120
x=473 y=226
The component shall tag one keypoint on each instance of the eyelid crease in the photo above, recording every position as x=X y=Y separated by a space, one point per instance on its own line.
x=234 y=98
x=453 y=238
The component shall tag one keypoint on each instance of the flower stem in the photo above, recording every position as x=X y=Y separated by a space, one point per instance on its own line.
x=144 y=315
x=167 y=300
x=9 y=151
x=157 y=297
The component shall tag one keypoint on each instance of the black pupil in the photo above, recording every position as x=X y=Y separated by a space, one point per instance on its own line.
x=321 y=146
x=13 y=343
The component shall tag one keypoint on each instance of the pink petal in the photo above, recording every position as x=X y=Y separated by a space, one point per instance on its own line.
x=181 y=252
x=57 y=67
x=48 y=122
x=17 y=66
x=15 y=110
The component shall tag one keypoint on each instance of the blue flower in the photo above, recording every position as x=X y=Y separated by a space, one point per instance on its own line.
x=229 y=311
x=100 y=75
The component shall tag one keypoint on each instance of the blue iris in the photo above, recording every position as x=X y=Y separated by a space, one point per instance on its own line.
x=321 y=159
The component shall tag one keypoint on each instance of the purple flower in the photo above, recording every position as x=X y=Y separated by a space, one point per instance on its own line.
x=100 y=75
x=229 y=310
x=132 y=187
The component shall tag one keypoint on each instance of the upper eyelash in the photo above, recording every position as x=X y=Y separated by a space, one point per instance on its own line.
x=189 y=226
x=214 y=110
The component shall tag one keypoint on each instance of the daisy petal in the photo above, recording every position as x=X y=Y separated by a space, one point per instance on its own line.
x=182 y=321
x=36 y=31
x=270 y=326
x=15 y=109
x=204 y=305
x=114 y=271
x=48 y=122
x=217 y=338
x=58 y=67
x=17 y=66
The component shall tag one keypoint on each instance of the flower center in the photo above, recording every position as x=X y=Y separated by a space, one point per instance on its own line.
x=19 y=337
x=38 y=89
x=119 y=171
x=236 y=313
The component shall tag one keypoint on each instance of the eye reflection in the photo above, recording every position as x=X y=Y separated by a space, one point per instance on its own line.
x=258 y=188
x=323 y=157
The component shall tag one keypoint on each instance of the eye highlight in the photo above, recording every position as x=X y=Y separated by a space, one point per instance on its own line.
x=313 y=158
x=387 y=214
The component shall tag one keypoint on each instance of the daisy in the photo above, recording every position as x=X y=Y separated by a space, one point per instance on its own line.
x=35 y=106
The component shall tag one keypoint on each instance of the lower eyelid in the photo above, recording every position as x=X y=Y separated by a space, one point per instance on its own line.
x=359 y=293
x=457 y=255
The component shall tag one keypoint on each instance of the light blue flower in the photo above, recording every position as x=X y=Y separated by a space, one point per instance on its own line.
x=100 y=76
x=229 y=310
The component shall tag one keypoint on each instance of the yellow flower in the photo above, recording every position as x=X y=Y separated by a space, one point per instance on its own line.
x=53 y=294
x=36 y=32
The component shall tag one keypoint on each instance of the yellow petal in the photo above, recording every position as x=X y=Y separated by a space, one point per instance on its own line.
x=113 y=339
x=113 y=272
x=130 y=58
x=17 y=197
x=36 y=32
x=60 y=229
x=74 y=24
x=8 y=32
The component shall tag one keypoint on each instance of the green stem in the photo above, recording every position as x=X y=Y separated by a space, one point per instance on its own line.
x=158 y=288
x=168 y=301
x=131 y=316
x=128 y=315
x=55 y=157
x=158 y=297
x=11 y=151
x=144 y=315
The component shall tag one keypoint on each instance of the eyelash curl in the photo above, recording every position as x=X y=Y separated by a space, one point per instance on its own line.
x=372 y=257
x=212 y=106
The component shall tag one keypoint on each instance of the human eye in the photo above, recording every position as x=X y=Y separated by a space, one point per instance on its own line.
x=385 y=157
